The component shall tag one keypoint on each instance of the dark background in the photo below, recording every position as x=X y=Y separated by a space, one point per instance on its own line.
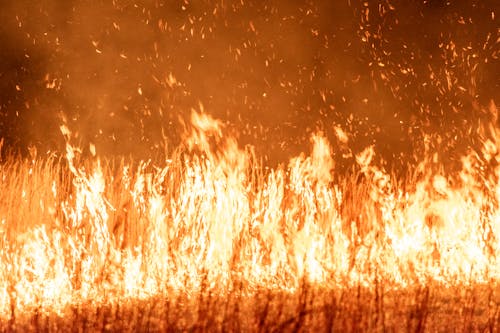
x=120 y=73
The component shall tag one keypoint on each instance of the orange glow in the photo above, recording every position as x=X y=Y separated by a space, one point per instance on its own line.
x=212 y=216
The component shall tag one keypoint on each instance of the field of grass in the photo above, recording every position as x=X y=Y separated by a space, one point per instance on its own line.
x=430 y=308
x=208 y=239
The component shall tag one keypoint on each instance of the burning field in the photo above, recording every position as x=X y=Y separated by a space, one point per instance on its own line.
x=240 y=166
x=209 y=239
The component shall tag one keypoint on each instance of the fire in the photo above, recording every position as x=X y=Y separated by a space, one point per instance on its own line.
x=211 y=217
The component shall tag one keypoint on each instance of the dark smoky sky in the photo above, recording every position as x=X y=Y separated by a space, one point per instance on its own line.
x=123 y=72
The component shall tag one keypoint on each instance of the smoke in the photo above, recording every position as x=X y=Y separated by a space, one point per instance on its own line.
x=123 y=74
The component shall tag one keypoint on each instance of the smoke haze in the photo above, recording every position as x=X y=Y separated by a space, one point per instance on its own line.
x=123 y=74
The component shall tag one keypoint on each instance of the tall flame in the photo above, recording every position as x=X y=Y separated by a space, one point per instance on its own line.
x=211 y=217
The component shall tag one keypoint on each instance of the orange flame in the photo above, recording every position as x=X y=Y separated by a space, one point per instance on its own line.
x=211 y=217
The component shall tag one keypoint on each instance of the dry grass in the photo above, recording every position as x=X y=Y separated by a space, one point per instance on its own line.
x=209 y=240
x=429 y=308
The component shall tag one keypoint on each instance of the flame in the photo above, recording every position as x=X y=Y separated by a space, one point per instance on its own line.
x=211 y=217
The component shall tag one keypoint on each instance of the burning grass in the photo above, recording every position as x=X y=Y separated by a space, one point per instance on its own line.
x=209 y=239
